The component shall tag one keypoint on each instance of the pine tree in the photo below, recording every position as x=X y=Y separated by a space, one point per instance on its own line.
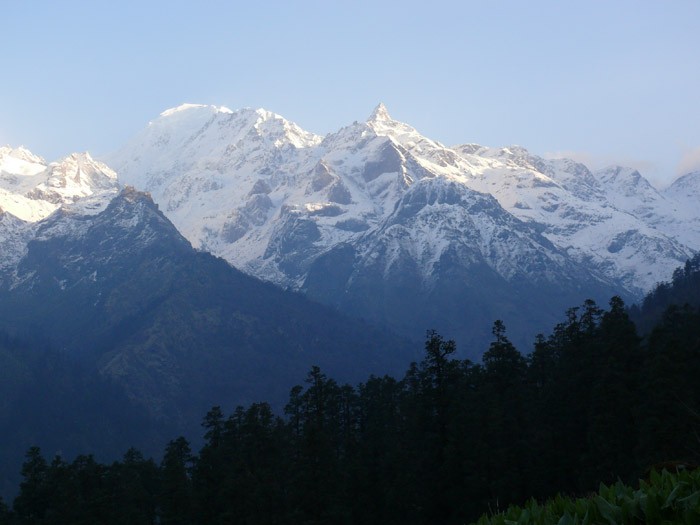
x=210 y=469
x=670 y=413
x=5 y=515
x=175 y=498
x=134 y=482
x=614 y=398
x=32 y=502
x=505 y=429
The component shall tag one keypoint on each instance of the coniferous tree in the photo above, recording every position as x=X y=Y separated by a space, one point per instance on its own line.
x=614 y=398
x=318 y=485
x=134 y=483
x=62 y=492
x=92 y=490
x=670 y=409
x=5 y=515
x=176 y=498
x=543 y=374
x=575 y=342
x=253 y=488
x=210 y=469
x=505 y=429
x=439 y=380
x=375 y=489
x=32 y=502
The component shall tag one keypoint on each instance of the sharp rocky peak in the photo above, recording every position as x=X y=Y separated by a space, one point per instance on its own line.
x=380 y=114
x=76 y=165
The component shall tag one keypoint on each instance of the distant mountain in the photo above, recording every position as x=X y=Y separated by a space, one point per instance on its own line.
x=121 y=291
x=31 y=189
x=379 y=221
x=355 y=219
x=602 y=220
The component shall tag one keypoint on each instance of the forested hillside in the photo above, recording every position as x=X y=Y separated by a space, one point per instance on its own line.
x=48 y=399
x=593 y=402
x=683 y=289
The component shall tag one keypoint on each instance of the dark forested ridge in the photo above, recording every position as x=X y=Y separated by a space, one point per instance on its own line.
x=176 y=328
x=683 y=289
x=50 y=400
x=593 y=402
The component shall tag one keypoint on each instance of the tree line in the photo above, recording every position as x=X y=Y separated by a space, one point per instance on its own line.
x=592 y=402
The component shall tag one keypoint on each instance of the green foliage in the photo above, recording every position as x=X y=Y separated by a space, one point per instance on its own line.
x=672 y=498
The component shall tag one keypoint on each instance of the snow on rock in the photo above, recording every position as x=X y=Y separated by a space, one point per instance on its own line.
x=270 y=197
x=73 y=178
x=685 y=191
x=32 y=190
x=258 y=190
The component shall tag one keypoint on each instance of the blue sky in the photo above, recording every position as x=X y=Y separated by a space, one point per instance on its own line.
x=602 y=81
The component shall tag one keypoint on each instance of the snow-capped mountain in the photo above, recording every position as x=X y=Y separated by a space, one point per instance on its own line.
x=376 y=218
x=378 y=198
x=121 y=291
x=612 y=221
x=484 y=264
x=685 y=191
x=238 y=183
x=31 y=190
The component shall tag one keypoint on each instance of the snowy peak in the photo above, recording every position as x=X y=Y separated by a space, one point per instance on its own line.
x=131 y=220
x=31 y=190
x=381 y=124
x=380 y=114
x=75 y=177
x=375 y=209
x=198 y=107
x=190 y=120
x=622 y=177
x=207 y=142
x=283 y=132
x=269 y=197
x=20 y=161
x=686 y=188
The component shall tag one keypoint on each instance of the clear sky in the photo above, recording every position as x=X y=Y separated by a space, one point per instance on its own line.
x=614 y=81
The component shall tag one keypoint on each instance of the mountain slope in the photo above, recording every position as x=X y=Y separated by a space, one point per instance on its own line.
x=50 y=401
x=484 y=264
x=121 y=290
x=608 y=230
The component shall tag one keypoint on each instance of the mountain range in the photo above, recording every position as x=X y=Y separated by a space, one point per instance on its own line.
x=377 y=220
x=219 y=254
x=120 y=290
x=386 y=224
